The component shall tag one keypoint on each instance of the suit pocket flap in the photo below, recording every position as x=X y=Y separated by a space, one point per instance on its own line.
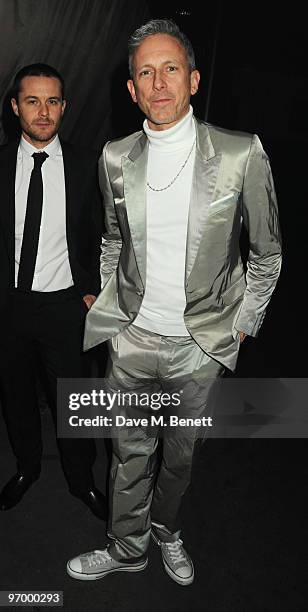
x=234 y=292
x=223 y=203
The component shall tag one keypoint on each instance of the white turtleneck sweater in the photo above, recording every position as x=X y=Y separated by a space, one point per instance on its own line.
x=164 y=300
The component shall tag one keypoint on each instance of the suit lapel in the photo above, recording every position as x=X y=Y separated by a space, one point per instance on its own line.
x=206 y=168
x=134 y=168
x=205 y=174
x=8 y=156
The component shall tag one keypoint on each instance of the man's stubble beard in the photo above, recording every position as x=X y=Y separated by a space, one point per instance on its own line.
x=164 y=120
x=174 y=116
x=35 y=135
x=41 y=137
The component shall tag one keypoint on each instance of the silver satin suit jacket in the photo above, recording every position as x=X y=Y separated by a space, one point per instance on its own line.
x=232 y=184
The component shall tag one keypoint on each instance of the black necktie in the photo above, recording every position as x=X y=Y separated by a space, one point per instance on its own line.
x=32 y=224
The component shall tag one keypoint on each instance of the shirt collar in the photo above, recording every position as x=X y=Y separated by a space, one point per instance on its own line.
x=53 y=148
x=173 y=138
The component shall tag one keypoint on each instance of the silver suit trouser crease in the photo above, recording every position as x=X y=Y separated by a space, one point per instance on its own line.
x=144 y=485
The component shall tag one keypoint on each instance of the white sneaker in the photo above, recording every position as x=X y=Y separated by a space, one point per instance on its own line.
x=177 y=562
x=98 y=563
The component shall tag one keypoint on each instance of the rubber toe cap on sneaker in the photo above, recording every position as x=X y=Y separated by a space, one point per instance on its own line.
x=75 y=565
x=184 y=572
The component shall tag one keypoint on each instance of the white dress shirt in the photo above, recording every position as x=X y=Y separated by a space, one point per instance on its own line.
x=164 y=301
x=52 y=269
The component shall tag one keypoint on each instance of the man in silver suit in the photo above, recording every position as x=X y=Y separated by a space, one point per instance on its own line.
x=176 y=302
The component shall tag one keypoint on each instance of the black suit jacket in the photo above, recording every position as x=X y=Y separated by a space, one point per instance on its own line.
x=83 y=218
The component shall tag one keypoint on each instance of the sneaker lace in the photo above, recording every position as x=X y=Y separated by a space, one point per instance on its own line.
x=175 y=551
x=98 y=557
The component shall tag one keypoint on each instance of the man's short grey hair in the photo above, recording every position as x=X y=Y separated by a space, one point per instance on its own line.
x=159 y=26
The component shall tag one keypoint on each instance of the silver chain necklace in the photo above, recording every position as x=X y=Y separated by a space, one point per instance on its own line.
x=177 y=175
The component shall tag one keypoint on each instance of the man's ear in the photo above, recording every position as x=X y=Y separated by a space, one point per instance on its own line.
x=131 y=89
x=15 y=107
x=63 y=106
x=194 y=81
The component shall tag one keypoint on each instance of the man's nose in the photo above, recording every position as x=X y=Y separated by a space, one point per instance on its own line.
x=43 y=110
x=159 y=81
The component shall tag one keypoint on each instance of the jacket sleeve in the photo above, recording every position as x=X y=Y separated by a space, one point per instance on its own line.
x=111 y=241
x=260 y=217
x=95 y=237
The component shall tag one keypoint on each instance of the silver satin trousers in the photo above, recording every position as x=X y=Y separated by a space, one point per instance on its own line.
x=151 y=472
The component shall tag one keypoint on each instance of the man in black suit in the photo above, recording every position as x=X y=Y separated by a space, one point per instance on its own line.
x=50 y=235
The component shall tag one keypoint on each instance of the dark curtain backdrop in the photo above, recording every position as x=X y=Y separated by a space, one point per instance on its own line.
x=254 y=77
x=86 y=40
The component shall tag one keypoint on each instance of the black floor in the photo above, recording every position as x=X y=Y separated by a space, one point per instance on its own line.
x=244 y=522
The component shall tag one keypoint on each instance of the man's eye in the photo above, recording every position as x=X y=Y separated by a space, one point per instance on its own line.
x=145 y=72
x=53 y=102
x=171 y=68
x=32 y=101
